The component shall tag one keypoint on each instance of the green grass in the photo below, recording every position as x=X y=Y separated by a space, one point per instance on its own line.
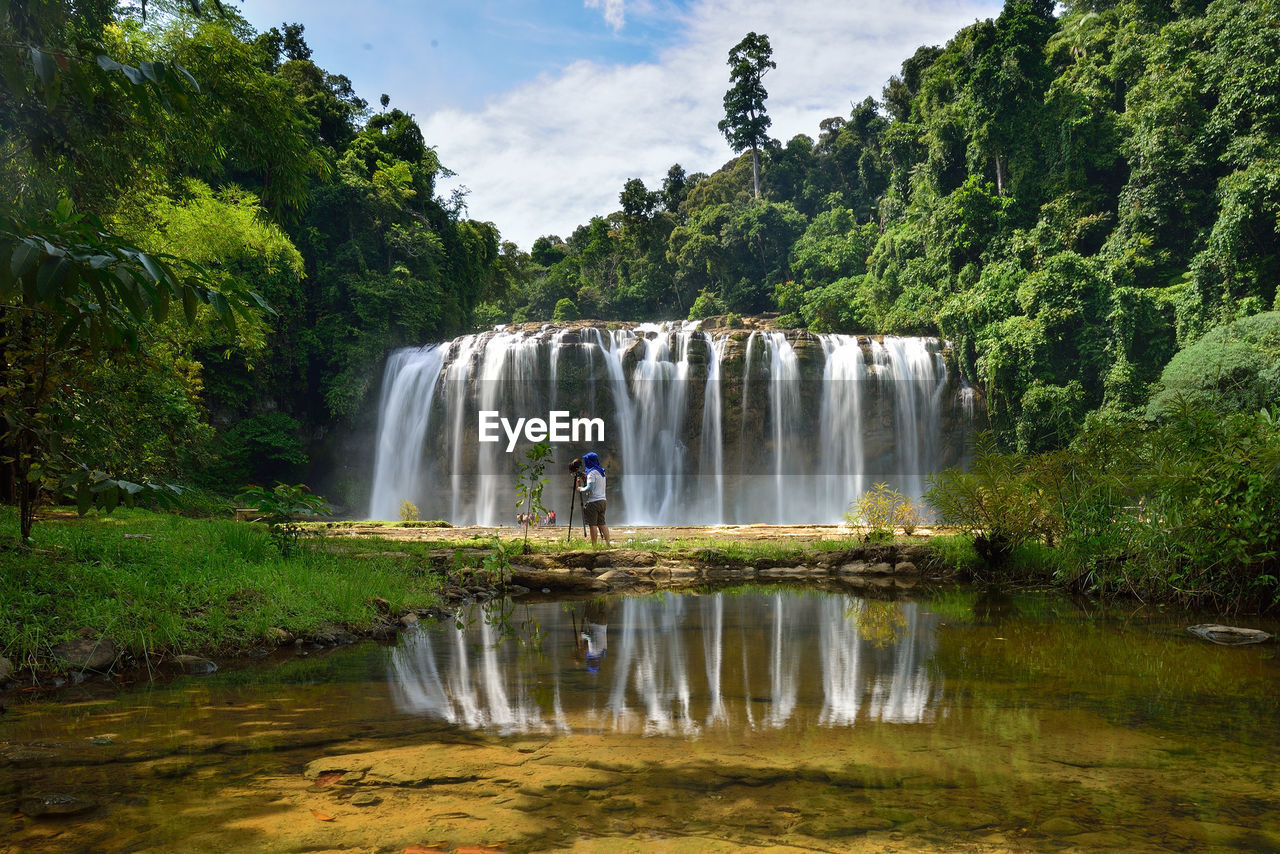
x=706 y=548
x=157 y=582
x=372 y=523
x=165 y=583
x=956 y=552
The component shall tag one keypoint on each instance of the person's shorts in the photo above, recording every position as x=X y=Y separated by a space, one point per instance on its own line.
x=594 y=512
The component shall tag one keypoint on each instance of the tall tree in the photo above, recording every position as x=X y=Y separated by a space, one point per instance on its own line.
x=75 y=299
x=745 y=122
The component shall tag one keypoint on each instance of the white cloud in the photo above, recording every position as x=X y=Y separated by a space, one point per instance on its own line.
x=546 y=156
x=614 y=13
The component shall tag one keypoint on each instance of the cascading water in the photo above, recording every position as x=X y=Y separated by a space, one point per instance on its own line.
x=711 y=458
x=844 y=376
x=700 y=427
x=408 y=392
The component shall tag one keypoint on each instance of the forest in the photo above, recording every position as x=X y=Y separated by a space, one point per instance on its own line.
x=1086 y=205
x=1071 y=201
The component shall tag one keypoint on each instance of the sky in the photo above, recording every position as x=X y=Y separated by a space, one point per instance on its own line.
x=543 y=109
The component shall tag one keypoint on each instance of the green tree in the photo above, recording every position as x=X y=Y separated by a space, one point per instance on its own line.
x=71 y=293
x=674 y=188
x=530 y=483
x=76 y=300
x=1008 y=88
x=1232 y=368
x=746 y=123
x=637 y=202
x=565 y=310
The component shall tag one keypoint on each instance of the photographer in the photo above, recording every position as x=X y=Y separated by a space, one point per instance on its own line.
x=589 y=479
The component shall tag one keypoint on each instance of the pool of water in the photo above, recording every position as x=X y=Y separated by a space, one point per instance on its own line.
x=773 y=718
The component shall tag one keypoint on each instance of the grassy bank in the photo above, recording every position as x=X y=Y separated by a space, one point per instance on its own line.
x=160 y=583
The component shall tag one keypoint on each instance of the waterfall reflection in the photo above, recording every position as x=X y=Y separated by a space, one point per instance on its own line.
x=634 y=665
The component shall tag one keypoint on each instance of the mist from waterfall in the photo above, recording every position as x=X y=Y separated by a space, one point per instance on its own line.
x=701 y=427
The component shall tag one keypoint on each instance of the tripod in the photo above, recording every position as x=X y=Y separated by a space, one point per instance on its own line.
x=575 y=497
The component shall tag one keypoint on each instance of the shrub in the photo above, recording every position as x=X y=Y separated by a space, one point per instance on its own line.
x=280 y=508
x=1188 y=510
x=882 y=509
x=565 y=310
x=997 y=501
x=530 y=482
x=790 y=321
x=1233 y=368
x=707 y=304
x=408 y=511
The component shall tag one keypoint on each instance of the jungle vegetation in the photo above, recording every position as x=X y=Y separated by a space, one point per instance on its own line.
x=1085 y=203
x=1072 y=201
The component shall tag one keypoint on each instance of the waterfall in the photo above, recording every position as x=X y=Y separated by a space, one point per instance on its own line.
x=746 y=400
x=711 y=458
x=408 y=390
x=844 y=375
x=701 y=427
x=508 y=376
x=914 y=374
x=784 y=405
x=456 y=379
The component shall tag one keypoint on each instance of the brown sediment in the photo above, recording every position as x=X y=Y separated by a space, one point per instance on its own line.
x=408 y=783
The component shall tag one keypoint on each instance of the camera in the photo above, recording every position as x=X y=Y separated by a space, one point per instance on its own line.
x=575 y=465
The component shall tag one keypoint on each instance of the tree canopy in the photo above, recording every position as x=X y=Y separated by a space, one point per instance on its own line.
x=1071 y=196
x=167 y=156
x=213 y=242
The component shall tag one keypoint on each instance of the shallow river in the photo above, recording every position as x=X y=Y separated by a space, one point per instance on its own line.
x=768 y=718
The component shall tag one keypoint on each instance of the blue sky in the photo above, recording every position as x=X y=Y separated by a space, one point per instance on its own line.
x=454 y=54
x=544 y=108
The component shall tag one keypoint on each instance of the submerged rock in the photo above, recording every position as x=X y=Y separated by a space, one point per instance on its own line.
x=1059 y=826
x=563 y=580
x=1228 y=635
x=195 y=665
x=40 y=806
x=833 y=827
x=959 y=818
x=279 y=635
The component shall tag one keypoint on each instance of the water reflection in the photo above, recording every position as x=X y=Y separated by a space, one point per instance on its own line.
x=675 y=665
